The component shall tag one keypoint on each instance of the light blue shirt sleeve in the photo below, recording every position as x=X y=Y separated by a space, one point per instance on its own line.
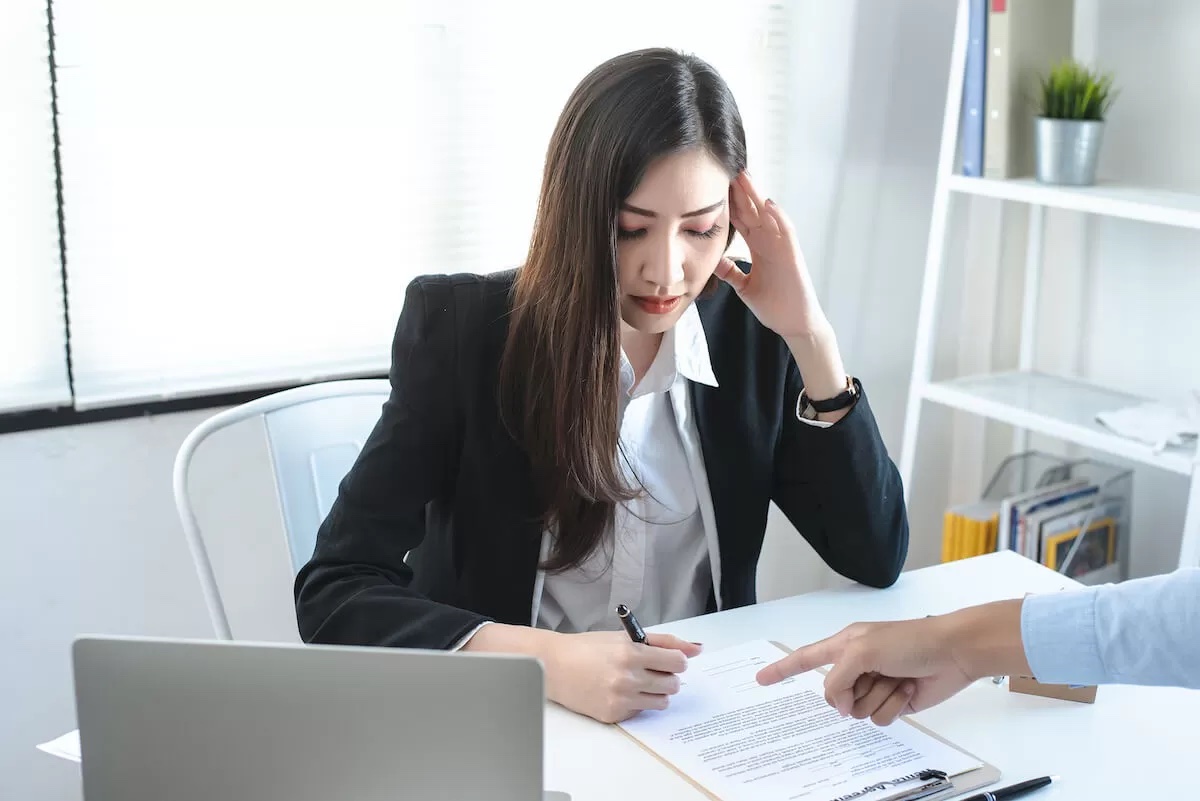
x=1141 y=631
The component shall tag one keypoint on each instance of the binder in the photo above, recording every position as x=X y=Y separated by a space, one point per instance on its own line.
x=969 y=530
x=1024 y=38
x=973 y=90
x=929 y=784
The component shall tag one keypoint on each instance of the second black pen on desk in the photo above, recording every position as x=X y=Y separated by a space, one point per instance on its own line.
x=1013 y=790
x=636 y=633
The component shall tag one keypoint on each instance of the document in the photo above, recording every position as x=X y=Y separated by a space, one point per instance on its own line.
x=64 y=747
x=740 y=741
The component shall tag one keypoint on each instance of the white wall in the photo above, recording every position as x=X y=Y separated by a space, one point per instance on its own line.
x=870 y=94
x=92 y=545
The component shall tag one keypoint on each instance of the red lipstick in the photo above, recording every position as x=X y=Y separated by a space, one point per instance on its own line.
x=657 y=305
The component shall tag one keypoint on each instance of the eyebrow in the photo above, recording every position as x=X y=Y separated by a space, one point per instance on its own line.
x=696 y=213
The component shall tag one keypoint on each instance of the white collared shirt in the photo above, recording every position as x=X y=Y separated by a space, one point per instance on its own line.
x=660 y=557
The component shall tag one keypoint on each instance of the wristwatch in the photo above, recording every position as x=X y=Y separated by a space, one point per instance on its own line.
x=807 y=409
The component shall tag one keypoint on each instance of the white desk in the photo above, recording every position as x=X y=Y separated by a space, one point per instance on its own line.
x=1134 y=742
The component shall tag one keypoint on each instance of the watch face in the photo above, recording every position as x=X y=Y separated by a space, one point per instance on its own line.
x=804 y=409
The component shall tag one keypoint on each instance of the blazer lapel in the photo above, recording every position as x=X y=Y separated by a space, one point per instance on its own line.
x=716 y=457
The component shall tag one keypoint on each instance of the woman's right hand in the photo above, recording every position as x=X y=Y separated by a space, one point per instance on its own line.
x=607 y=676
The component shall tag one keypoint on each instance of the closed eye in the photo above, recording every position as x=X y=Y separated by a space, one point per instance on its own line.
x=709 y=234
x=638 y=233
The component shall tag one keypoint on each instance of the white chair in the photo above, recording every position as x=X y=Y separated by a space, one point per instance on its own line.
x=314 y=433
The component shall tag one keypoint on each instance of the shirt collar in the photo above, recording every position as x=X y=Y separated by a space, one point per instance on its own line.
x=691 y=348
x=683 y=351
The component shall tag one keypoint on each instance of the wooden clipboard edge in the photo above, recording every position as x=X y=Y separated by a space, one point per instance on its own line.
x=671 y=765
x=982 y=776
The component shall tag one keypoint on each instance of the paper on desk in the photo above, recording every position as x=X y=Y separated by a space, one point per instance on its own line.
x=66 y=747
x=744 y=742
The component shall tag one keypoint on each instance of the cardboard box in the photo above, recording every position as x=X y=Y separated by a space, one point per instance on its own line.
x=1084 y=694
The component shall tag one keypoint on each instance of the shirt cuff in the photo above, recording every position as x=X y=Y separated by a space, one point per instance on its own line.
x=814 y=423
x=458 y=646
x=1058 y=631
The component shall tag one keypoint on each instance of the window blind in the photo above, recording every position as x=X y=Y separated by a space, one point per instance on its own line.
x=33 y=364
x=250 y=185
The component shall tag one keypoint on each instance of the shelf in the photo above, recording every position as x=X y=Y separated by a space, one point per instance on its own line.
x=1112 y=200
x=1058 y=407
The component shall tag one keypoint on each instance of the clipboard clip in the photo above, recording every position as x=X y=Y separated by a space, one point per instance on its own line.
x=923 y=784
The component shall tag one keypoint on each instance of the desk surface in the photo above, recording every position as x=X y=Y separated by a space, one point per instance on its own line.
x=1134 y=742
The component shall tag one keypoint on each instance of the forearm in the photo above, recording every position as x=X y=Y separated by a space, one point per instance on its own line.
x=507 y=639
x=543 y=645
x=986 y=640
x=1142 y=631
x=820 y=363
x=842 y=492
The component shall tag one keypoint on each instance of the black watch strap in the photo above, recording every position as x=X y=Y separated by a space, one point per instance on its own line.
x=839 y=401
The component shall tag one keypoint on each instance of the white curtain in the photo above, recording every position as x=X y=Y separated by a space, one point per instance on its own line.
x=33 y=363
x=250 y=184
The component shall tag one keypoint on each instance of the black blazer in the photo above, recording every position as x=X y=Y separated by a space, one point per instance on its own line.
x=441 y=480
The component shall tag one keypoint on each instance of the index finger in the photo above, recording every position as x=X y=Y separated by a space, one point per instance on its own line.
x=742 y=211
x=802 y=660
x=747 y=185
x=689 y=649
x=666 y=660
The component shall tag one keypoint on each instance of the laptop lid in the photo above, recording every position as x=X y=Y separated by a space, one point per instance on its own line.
x=193 y=720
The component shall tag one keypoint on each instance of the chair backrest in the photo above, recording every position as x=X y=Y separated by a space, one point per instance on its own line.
x=314 y=433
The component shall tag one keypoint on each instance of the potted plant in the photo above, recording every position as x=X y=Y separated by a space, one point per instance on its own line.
x=1072 y=108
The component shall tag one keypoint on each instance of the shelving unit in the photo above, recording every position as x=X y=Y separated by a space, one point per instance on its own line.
x=1060 y=407
x=1056 y=406
x=1111 y=200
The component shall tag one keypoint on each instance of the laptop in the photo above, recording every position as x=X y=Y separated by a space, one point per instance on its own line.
x=200 y=720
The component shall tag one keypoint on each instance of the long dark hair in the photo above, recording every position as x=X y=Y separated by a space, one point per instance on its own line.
x=559 y=375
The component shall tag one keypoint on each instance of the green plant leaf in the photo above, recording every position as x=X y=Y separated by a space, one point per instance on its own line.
x=1071 y=90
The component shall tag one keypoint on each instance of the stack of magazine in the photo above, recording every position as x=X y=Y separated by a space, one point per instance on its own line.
x=1071 y=516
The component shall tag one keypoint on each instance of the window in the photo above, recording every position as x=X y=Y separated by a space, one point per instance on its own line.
x=249 y=185
x=33 y=366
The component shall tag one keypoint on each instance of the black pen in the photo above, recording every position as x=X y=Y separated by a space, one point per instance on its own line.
x=631 y=624
x=1012 y=791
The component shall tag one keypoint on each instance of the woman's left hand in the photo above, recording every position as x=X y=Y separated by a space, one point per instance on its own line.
x=779 y=289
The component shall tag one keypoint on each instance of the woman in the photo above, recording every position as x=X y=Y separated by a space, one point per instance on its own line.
x=608 y=423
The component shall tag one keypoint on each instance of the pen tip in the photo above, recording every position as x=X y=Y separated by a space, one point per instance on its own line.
x=1055 y=778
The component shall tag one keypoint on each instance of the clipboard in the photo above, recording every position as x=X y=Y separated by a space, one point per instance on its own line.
x=986 y=774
